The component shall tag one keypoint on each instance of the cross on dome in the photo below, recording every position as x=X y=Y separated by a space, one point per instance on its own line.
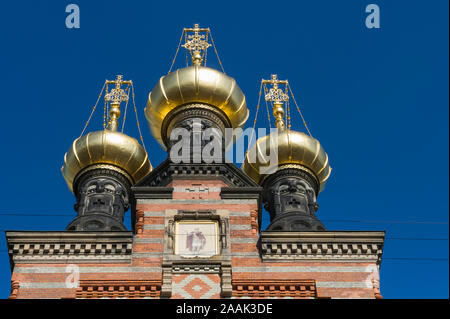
x=196 y=43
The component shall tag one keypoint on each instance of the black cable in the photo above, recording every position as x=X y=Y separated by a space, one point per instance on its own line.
x=323 y=220
x=386 y=222
x=383 y=258
x=399 y=238
x=38 y=215
x=387 y=238
x=412 y=259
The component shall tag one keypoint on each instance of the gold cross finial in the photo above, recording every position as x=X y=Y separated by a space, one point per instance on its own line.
x=277 y=97
x=196 y=43
x=115 y=97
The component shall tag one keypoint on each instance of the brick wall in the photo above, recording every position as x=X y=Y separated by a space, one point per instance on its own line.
x=151 y=269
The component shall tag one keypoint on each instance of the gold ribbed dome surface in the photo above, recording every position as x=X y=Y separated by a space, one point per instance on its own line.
x=195 y=84
x=294 y=149
x=106 y=147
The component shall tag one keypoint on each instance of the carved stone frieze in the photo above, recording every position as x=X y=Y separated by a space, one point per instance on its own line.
x=80 y=247
x=102 y=199
x=304 y=246
x=290 y=198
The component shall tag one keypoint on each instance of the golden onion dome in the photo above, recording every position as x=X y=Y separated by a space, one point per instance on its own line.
x=295 y=149
x=114 y=149
x=195 y=84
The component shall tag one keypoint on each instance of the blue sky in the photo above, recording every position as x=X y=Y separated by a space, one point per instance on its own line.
x=377 y=99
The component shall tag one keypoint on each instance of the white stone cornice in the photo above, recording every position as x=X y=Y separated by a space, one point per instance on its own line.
x=75 y=247
x=327 y=245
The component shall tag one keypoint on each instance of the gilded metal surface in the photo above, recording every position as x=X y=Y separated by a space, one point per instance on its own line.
x=196 y=43
x=195 y=84
x=106 y=147
x=276 y=94
x=117 y=94
x=293 y=148
x=277 y=97
x=115 y=97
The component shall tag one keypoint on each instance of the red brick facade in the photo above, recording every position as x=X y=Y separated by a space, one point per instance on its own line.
x=250 y=263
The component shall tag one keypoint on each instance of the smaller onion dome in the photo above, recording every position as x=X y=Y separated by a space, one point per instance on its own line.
x=295 y=149
x=106 y=147
x=292 y=149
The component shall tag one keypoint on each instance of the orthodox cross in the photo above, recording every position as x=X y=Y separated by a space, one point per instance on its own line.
x=277 y=97
x=115 y=97
x=196 y=43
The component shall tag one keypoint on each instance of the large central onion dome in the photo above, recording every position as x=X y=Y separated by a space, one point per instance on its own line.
x=195 y=94
x=199 y=87
x=294 y=150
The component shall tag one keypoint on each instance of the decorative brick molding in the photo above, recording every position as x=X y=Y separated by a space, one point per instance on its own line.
x=221 y=268
x=166 y=288
x=254 y=222
x=376 y=289
x=196 y=269
x=119 y=289
x=226 y=286
x=196 y=286
x=167 y=171
x=139 y=222
x=276 y=288
x=330 y=245
x=79 y=247
x=14 y=289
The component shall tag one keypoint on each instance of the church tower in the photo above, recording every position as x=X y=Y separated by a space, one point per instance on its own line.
x=100 y=169
x=196 y=217
x=298 y=175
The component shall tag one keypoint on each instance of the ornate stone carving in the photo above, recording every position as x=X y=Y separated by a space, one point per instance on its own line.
x=219 y=265
x=254 y=222
x=196 y=140
x=226 y=286
x=139 y=222
x=75 y=247
x=166 y=287
x=291 y=202
x=210 y=114
x=14 y=289
x=102 y=199
x=329 y=245
x=167 y=171
x=376 y=288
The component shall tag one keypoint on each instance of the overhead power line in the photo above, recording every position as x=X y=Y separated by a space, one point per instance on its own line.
x=387 y=238
x=411 y=238
x=386 y=221
x=323 y=220
x=384 y=258
x=37 y=215
x=414 y=259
